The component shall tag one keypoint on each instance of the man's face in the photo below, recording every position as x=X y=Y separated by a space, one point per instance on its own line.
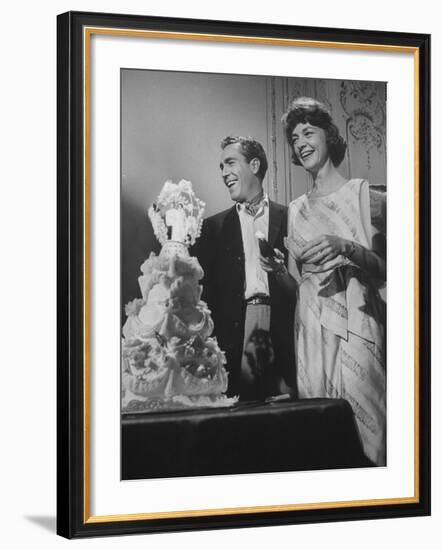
x=238 y=174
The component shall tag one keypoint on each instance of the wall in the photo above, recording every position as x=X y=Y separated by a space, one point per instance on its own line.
x=172 y=127
x=28 y=230
x=358 y=109
x=172 y=124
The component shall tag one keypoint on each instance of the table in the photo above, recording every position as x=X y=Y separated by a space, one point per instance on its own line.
x=248 y=438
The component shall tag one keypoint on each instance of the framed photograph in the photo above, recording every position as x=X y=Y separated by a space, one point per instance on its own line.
x=237 y=205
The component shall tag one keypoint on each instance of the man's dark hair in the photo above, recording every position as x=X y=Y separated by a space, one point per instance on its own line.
x=251 y=149
x=308 y=110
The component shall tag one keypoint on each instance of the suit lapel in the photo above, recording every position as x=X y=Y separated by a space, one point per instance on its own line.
x=232 y=235
x=275 y=217
x=233 y=269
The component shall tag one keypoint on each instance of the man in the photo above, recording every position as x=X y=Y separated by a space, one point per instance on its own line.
x=253 y=318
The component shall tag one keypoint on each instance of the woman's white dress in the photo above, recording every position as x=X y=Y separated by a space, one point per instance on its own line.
x=340 y=312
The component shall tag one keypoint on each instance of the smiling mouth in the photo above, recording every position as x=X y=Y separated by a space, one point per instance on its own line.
x=306 y=154
x=231 y=183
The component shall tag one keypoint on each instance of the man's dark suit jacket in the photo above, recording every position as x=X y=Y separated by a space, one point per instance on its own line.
x=221 y=255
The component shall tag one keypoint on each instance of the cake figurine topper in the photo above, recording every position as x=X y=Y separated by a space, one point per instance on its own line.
x=177 y=215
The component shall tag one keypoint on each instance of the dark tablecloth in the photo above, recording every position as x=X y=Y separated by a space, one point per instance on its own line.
x=273 y=437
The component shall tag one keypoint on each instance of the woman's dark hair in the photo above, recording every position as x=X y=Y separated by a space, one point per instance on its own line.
x=307 y=109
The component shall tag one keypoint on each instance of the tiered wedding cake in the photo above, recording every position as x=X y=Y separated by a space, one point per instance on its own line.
x=169 y=358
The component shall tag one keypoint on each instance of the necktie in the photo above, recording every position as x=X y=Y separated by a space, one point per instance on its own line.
x=252 y=207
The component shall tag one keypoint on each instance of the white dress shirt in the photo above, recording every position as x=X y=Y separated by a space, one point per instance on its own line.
x=256 y=282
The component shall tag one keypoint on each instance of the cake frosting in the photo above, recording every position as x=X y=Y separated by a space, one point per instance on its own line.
x=169 y=358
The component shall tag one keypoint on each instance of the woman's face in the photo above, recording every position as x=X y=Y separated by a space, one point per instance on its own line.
x=310 y=146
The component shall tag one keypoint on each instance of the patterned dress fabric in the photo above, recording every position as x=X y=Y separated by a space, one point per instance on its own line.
x=340 y=312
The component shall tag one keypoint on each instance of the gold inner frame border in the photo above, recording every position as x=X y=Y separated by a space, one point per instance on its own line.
x=88 y=32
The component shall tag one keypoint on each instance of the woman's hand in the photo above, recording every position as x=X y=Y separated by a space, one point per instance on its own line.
x=323 y=249
x=273 y=264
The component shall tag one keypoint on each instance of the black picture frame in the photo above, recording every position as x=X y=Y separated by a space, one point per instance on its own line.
x=73 y=498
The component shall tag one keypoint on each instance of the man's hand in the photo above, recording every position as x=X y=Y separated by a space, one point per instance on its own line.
x=273 y=264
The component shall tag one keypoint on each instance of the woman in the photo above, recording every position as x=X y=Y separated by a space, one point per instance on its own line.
x=336 y=244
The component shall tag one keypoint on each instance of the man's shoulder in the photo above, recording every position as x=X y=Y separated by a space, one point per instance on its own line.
x=277 y=206
x=279 y=209
x=218 y=218
x=213 y=227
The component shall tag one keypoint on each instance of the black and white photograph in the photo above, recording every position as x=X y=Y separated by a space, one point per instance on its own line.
x=253 y=274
